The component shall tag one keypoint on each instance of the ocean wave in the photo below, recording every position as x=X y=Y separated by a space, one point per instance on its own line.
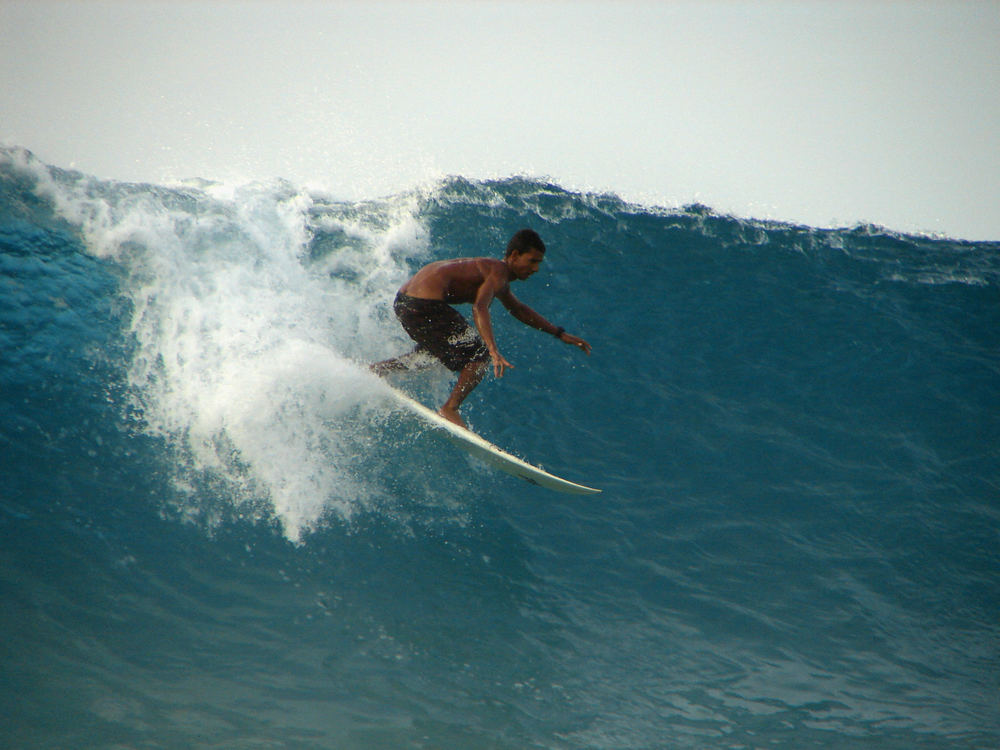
x=795 y=429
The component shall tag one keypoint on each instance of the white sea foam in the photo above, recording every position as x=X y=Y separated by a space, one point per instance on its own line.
x=246 y=337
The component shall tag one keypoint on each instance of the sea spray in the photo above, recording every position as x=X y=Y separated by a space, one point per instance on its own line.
x=249 y=308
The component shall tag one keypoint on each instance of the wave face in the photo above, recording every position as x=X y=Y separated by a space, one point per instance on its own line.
x=217 y=531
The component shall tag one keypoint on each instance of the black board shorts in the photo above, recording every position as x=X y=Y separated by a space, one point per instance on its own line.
x=438 y=328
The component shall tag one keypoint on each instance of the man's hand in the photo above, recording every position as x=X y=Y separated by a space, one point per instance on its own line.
x=500 y=364
x=569 y=338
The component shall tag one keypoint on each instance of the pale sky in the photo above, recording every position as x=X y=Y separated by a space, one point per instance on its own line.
x=826 y=113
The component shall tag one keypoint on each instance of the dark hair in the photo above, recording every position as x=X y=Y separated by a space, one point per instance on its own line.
x=523 y=241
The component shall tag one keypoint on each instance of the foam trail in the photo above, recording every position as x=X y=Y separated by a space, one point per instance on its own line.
x=247 y=319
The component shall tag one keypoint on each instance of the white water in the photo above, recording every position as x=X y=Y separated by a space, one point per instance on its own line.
x=247 y=351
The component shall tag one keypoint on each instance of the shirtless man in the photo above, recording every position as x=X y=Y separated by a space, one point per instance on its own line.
x=423 y=306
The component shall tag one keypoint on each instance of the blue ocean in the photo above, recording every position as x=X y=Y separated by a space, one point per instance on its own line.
x=217 y=530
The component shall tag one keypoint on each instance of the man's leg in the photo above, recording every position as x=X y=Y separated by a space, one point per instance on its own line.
x=470 y=376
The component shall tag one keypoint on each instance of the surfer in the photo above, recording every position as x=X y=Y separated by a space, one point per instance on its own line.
x=423 y=306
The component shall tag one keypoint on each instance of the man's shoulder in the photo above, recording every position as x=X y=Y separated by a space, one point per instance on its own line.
x=492 y=264
x=483 y=268
x=459 y=264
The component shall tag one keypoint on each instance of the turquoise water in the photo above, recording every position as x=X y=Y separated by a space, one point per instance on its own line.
x=217 y=531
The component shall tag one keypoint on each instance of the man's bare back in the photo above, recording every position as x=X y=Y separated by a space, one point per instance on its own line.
x=475 y=281
x=453 y=281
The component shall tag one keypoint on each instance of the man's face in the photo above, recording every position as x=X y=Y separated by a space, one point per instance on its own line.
x=523 y=265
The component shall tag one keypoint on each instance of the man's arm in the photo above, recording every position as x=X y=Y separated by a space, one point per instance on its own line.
x=494 y=284
x=531 y=318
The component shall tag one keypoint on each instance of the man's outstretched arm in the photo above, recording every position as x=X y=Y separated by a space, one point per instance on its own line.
x=531 y=318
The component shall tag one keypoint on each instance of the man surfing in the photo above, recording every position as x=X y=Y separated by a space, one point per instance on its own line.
x=423 y=306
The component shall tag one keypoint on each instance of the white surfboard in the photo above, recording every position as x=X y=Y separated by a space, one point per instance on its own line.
x=491 y=454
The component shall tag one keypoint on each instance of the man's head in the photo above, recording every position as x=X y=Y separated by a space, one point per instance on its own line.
x=523 y=241
x=524 y=254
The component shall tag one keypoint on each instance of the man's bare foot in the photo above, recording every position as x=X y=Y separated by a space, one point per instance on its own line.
x=452 y=416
